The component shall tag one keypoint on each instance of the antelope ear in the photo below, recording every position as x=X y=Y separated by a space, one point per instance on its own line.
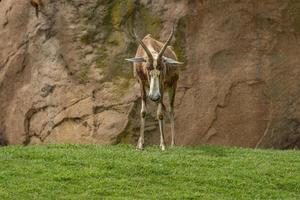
x=136 y=59
x=172 y=61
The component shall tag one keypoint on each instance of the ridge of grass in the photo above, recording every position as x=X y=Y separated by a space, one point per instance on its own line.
x=121 y=172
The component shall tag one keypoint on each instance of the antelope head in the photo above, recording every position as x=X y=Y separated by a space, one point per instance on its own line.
x=155 y=66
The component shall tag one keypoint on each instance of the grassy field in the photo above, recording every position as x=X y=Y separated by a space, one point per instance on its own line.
x=121 y=172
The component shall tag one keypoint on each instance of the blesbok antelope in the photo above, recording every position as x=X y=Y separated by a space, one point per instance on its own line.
x=155 y=66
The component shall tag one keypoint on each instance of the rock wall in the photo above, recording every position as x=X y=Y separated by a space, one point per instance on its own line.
x=63 y=78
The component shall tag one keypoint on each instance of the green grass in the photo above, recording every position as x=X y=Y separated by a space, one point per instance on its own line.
x=121 y=172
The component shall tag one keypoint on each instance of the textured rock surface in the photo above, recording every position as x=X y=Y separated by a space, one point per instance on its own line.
x=63 y=78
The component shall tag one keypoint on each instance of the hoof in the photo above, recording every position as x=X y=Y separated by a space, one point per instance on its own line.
x=139 y=147
x=163 y=147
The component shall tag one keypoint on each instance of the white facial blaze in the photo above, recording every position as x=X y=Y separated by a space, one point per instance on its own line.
x=154 y=86
x=154 y=83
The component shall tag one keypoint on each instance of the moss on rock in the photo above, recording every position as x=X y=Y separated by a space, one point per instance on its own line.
x=121 y=10
x=105 y=26
x=147 y=22
x=179 y=45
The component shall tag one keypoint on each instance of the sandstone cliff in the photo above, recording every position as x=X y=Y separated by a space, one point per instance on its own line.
x=63 y=78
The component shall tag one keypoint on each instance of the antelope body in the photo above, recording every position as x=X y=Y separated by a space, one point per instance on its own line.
x=155 y=68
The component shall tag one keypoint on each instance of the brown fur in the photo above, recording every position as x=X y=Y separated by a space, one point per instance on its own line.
x=168 y=76
x=171 y=74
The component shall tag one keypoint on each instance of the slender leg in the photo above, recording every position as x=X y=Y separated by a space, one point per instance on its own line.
x=143 y=115
x=171 y=93
x=160 y=117
x=172 y=126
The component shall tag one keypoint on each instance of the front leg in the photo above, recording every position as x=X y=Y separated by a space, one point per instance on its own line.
x=140 y=143
x=160 y=116
x=171 y=92
x=172 y=126
x=142 y=129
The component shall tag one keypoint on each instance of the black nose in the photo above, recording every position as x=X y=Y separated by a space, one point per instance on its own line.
x=155 y=97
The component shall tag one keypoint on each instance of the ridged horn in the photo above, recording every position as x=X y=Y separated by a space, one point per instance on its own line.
x=137 y=38
x=163 y=49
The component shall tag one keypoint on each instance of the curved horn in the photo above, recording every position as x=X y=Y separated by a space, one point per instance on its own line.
x=144 y=46
x=163 y=49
